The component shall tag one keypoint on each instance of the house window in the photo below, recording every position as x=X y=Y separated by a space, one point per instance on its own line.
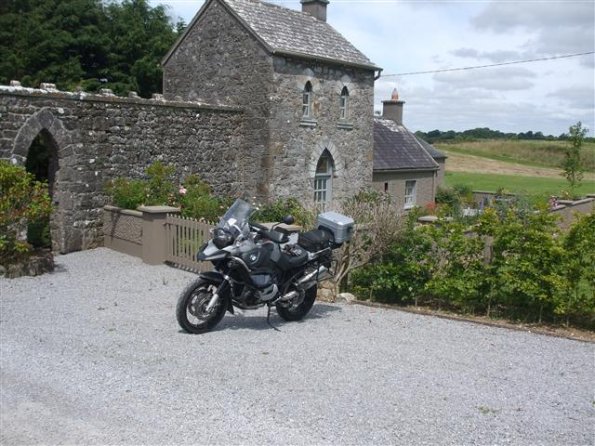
x=410 y=187
x=343 y=103
x=307 y=101
x=323 y=180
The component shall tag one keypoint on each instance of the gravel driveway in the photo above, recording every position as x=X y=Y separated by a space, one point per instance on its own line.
x=92 y=354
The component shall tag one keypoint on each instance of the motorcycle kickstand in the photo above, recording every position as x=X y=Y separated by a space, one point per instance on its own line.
x=269 y=318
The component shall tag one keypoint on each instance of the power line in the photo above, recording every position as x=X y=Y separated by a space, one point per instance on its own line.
x=565 y=56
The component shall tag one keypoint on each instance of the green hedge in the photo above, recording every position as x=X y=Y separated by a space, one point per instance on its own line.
x=513 y=264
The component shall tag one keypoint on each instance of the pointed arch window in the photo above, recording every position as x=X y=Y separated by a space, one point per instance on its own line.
x=323 y=180
x=343 y=103
x=307 y=101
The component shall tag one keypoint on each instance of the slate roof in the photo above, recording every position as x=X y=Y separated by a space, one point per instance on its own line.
x=286 y=31
x=433 y=151
x=396 y=148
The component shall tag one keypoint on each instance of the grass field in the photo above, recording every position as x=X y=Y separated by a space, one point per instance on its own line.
x=530 y=153
x=529 y=167
x=516 y=183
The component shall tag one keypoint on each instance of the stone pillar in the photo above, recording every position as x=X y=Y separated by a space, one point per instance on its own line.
x=154 y=233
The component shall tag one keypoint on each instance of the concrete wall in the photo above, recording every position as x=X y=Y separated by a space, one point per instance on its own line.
x=568 y=210
x=98 y=138
x=425 y=186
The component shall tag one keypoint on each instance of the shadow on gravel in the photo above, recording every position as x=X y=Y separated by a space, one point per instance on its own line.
x=255 y=320
x=58 y=268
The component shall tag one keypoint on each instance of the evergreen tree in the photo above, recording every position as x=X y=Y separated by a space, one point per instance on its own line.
x=86 y=43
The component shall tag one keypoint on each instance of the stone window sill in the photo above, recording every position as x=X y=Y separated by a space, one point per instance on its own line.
x=308 y=122
x=344 y=125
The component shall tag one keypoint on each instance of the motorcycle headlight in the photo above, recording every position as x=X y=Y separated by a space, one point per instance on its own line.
x=222 y=238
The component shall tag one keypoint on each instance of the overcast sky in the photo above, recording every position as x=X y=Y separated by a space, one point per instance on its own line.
x=404 y=36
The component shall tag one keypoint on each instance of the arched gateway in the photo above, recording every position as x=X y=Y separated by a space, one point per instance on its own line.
x=39 y=145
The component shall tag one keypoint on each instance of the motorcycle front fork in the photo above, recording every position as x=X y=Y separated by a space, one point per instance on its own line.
x=222 y=288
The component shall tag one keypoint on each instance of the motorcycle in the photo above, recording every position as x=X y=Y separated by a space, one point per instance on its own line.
x=257 y=266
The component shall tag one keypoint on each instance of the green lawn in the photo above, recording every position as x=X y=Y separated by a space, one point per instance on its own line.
x=516 y=184
x=530 y=153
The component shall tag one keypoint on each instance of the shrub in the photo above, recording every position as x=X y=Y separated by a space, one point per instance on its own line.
x=448 y=200
x=276 y=210
x=378 y=224
x=157 y=189
x=525 y=272
x=22 y=200
x=404 y=271
x=160 y=184
x=458 y=278
x=127 y=194
x=578 y=298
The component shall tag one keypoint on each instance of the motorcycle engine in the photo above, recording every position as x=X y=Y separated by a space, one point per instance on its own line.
x=265 y=283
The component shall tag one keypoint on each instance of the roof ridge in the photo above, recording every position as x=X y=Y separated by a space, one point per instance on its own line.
x=288 y=32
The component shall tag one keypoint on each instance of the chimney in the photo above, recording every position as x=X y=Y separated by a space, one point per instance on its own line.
x=316 y=8
x=393 y=109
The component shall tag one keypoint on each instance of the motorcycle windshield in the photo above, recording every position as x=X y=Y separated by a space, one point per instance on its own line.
x=236 y=218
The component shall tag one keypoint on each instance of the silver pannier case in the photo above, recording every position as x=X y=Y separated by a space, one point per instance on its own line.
x=339 y=225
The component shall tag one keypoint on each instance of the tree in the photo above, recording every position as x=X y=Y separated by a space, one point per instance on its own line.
x=573 y=164
x=84 y=43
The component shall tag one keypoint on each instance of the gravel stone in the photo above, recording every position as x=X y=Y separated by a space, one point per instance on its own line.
x=92 y=354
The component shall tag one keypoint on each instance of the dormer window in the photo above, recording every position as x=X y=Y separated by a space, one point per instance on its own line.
x=343 y=103
x=307 y=101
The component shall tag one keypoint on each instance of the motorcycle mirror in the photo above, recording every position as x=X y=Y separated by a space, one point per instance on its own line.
x=288 y=220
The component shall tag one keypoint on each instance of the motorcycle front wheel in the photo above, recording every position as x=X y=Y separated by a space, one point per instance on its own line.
x=297 y=312
x=191 y=310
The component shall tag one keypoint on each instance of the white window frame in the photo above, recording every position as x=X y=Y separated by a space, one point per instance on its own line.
x=323 y=180
x=343 y=103
x=410 y=194
x=307 y=100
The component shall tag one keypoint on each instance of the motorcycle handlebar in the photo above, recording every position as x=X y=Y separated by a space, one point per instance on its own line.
x=275 y=236
x=259 y=227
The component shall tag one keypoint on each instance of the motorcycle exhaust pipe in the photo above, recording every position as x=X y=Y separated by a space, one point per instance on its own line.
x=308 y=281
x=317 y=274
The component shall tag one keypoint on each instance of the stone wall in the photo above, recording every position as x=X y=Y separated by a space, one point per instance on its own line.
x=99 y=137
x=232 y=67
x=297 y=144
x=219 y=62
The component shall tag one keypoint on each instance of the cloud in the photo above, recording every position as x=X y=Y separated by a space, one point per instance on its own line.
x=501 y=79
x=491 y=56
x=502 y=17
x=576 y=97
x=407 y=36
x=553 y=27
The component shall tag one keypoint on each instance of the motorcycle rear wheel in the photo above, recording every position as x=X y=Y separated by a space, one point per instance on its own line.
x=191 y=308
x=297 y=312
